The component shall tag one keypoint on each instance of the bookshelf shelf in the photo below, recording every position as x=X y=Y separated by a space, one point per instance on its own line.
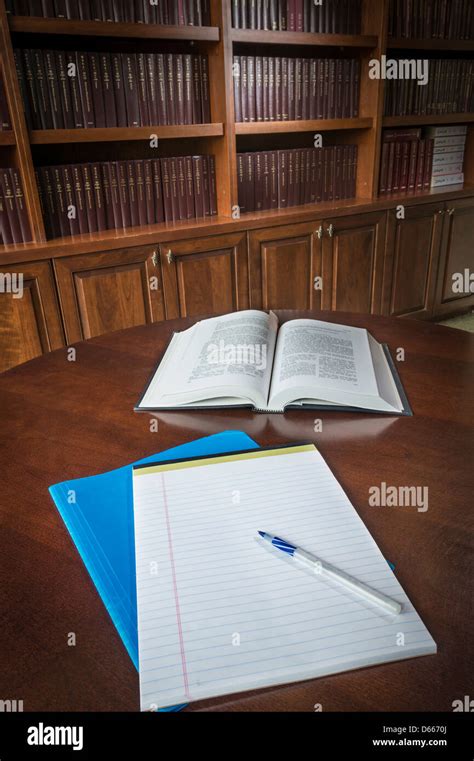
x=260 y=37
x=404 y=43
x=123 y=134
x=321 y=125
x=7 y=137
x=37 y=25
x=425 y=120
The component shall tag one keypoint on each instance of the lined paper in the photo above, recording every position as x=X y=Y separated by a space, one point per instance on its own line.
x=221 y=611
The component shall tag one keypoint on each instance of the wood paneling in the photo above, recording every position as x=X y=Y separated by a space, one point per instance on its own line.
x=103 y=292
x=206 y=275
x=30 y=323
x=283 y=264
x=353 y=252
x=411 y=261
x=457 y=258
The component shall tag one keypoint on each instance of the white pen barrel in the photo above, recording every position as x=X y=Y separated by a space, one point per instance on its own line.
x=348 y=581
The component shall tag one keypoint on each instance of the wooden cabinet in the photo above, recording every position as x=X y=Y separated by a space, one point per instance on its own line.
x=30 y=322
x=108 y=291
x=283 y=265
x=411 y=261
x=352 y=264
x=205 y=275
x=455 y=289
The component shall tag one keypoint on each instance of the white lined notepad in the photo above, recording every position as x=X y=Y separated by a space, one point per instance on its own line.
x=221 y=611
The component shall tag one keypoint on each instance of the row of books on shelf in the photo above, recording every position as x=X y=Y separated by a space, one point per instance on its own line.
x=75 y=89
x=414 y=159
x=449 y=90
x=283 y=178
x=180 y=12
x=5 y=121
x=287 y=89
x=92 y=197
x=14 y=224
x=328 y=17
x=426 y=19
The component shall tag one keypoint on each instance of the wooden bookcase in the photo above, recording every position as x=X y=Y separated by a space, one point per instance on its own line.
x=237 y=238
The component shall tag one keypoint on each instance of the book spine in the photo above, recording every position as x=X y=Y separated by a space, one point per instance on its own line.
x=282 y=179
x=51 y=204
x=143 y=100
x=412 y=165
x=206 y=108
x=212 y=186
x=97 y=90
x=169 y=82
x=158 y=190
x=189 y=181
x=162 y=112
x=131 y=89
x=85 y=88
x=258 y=116
x=20 y=206
x=179 y=88
x=132 y=193
x=140 y=192
x=64 y=92
x=114 y=184
x=237 y=89
x=70 y=200
x=89 y=199
x=428 y=167
x=251 y=99
x=44 y=108
x=173 y=169
x=188 y=89
x=107 y=92
x=149 y=197
x=107 y=196
x=58 y=186
x=181 y=187
x=98 y=193
x=122 y=176
x=166 y=184
x=52 y=82
x=384 y=169
x=79 y=196
x=74 y=86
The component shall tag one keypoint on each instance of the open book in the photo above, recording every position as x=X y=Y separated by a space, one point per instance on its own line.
x=245 y=359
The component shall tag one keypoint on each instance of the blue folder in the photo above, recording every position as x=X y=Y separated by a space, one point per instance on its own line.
x=98 y=513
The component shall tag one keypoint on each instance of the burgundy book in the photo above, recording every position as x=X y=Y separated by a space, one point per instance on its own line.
x=149 y=191
x=338 y=161
x=74 y=86
x=143 y=100
x=325 y=89
x=404 y=166
x=338 y=108
x=107 y=91
x=206 y=107
x=182 y=190
x=396 y=166
x=282 y=179
x=259 y=97
x=158 y=190
x=97 y=90
x=60 y=9
x=291 y=90
x=173 y=167
x=291 y=5
x=51 y=74
x=151 y=89
x=212 y=185
x=132 y=193
x=98 y=192
x=42 y=90
x=109 y=211
x=299 y=15
x=249 y=178
x=298 y=88
x=89 y=198
x=271 y=89
x=20 y=206
x=6 y=235
x=278 y=96
x=114 y=184
x=58 y=186
x=346 y=89
x=266 y=180
x=70 y=200
x=331 y=112
x=64 y=90
x=79 y=196
x=319 y=174
x=161 y=97
x=196 y=90
x=291 y=177
x=206 y=186
x=313 y=180
x=124 y=197
x=237 y=89
x=48 y=8
x=50 y=200
x=391 y=161
x=251 y=95
x=244 y=87
x=189 y=187
x=85 y=88
x=353 y=182
x=131 y=89
x=241 y=188
x=140 y=192
x=166 y=184
x=412 y=165
x=273 y=179
x=179 y=88
x=26 y=58
x=170 y=88
x=258 y=180
x=306 y=89
x=188 y=89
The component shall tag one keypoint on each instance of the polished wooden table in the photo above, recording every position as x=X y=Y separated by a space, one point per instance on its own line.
x=64 y=419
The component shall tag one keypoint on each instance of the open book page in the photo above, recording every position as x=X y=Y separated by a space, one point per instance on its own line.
x=224 y=360
x=220 y=611
x=326 y=363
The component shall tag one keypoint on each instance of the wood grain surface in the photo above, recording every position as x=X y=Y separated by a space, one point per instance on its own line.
x=63 y=420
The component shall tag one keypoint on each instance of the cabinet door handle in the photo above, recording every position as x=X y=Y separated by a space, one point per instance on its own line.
x=154 y=258
x=331 y=230
x=319 y=232
x=440 y=211
x=169 y=256
x=450 y=212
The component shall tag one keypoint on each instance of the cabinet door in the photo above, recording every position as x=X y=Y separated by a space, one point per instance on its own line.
x=454 y=288
x=353 y=251
x=411 y=261
x=109 y=291
x=205 y=275
x=30 y=322
x=283 y=265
